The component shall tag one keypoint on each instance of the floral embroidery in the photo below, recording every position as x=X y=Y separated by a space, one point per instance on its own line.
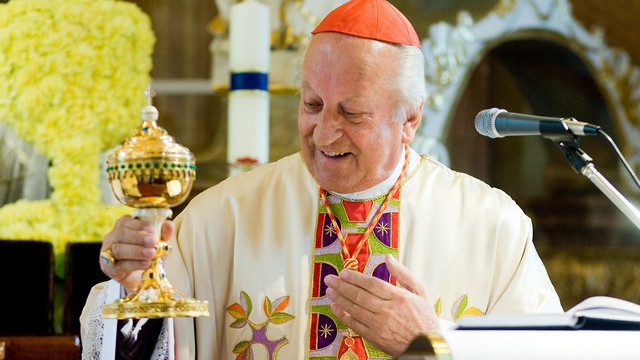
x=241 y=311
x=459 y=308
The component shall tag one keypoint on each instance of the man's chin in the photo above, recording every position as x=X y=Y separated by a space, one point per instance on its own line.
x=330 y=183
x=336 y=183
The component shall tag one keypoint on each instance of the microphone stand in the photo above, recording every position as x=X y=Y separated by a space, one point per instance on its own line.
x=583 y=164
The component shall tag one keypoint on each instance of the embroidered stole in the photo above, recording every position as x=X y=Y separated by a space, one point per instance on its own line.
x=327 y=333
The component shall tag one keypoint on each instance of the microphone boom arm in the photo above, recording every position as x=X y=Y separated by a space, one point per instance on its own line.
x=583 y=164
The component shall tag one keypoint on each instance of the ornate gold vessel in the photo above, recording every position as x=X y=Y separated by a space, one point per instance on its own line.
x=152 y=173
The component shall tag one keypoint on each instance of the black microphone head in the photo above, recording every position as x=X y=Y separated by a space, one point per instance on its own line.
x=486 y=122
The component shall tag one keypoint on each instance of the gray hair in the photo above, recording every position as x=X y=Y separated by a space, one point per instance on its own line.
x=409 y=85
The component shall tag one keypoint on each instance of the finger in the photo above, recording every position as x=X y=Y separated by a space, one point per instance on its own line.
x=403 y=275
x=127 y=257
x=135 y=224
x=350 y=295
x=357 y=311
x=167 y=230
x=127 y=272
x=123 y=268
x=350 y=321
x=372 y=285
x=130 y=239
x=128 y=230
x=124 y=251
x=132 y=230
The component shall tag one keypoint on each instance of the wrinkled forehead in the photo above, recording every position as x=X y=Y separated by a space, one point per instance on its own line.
x=332 y=51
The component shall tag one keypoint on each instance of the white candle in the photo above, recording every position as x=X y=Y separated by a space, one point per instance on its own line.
x=248 y=106
x=249 y=37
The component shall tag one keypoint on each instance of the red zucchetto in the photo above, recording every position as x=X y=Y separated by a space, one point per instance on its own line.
x=371 y=19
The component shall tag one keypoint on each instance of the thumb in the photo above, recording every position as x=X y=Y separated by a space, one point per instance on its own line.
x=167 y=230
x=403 y=275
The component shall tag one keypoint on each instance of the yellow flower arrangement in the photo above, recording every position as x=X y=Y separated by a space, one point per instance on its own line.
x=72 y=76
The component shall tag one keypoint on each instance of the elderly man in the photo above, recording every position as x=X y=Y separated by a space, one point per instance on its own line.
x=349 y=249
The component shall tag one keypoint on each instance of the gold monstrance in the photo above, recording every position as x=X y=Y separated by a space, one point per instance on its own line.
x=152 y=173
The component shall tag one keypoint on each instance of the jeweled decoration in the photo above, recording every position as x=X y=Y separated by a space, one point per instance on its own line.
x=152 y=173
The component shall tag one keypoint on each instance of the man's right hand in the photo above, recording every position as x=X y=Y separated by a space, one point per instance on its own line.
x=132 y=243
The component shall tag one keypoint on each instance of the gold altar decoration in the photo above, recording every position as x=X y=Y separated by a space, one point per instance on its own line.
x=68 y=72
x=152 y=173
x=427 y=346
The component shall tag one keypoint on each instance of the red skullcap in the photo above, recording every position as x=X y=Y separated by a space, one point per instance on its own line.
x=371 y=19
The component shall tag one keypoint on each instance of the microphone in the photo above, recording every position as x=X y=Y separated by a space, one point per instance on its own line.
x=497 y=123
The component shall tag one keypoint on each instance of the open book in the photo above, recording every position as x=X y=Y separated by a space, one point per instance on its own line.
x=594 y=313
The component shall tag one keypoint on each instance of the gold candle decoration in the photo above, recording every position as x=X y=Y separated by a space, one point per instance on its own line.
x=152 y=173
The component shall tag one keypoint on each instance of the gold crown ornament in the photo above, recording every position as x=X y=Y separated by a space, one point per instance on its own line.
x=152 y=173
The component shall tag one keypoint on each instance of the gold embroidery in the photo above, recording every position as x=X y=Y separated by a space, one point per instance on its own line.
x=329 y=230
x=349 y=355
x=326 y=330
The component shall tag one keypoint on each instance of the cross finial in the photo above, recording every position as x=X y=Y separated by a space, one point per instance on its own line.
x=149 y=93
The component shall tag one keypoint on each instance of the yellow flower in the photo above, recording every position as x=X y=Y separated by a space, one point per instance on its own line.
x=72 y=76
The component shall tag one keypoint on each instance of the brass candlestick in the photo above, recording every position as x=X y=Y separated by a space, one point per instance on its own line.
x=152 y=173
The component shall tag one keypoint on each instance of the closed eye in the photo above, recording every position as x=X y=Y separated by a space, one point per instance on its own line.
x=312 y=107
x=353 y=115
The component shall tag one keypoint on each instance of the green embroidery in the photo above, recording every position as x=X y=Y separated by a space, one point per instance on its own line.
x=333 y=259
x=461 y=305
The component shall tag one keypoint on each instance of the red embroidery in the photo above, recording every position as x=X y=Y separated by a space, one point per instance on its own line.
x=352 y=241
x=357 y=347
x=357 y=211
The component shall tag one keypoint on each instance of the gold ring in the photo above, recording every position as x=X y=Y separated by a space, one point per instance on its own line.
x=107 y=256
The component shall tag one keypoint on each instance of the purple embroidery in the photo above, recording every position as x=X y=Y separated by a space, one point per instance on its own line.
x=326 y=269
x=327 y=331
x=241 y=311
x=382 y=230
x=382 y=272
x=329 y=234
x=260 y=337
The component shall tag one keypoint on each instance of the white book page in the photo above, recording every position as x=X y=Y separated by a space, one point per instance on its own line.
x=594 y=312
x=605 y=307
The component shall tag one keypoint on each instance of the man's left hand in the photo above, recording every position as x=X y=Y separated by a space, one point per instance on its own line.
x=388 y=316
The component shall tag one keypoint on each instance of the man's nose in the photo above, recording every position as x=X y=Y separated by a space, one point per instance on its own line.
x=328 y=130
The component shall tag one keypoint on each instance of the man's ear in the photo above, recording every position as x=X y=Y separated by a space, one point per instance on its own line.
x=411 y=124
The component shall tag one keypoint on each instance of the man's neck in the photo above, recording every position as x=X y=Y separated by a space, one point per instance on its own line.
x=384 y=186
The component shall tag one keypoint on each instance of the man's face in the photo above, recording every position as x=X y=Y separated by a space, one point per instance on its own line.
x=349 y=136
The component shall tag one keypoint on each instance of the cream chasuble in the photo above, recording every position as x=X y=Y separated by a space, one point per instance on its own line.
x=257 y=245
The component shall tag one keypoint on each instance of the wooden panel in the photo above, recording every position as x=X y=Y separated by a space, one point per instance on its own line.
x=40 y=347
x=82 y=273
x=182 y=39
x=26 y=275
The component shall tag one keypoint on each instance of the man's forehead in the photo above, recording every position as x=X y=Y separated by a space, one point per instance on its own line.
x=332 y=46
x=347 y=62
x=348 y=94
x=341 y=90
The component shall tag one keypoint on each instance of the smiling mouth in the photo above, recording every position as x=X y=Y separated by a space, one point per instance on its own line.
x=333 y=154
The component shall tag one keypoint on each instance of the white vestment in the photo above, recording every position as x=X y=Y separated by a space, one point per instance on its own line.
x=251 y=237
